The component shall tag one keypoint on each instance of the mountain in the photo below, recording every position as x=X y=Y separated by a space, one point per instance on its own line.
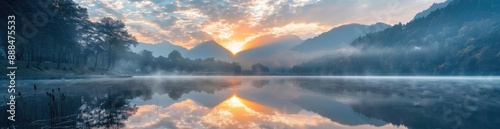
x=209 y=49
x=268 y=44
x=268 y=50
x=459 y=39
x=159 y=49
x=257 y=42
x=338 y=37
x=433 y=7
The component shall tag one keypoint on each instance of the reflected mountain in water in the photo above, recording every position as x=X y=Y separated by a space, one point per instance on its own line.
x=235 y=112
x=259 y=102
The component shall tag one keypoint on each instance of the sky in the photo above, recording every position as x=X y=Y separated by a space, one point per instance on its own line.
x=232 y=23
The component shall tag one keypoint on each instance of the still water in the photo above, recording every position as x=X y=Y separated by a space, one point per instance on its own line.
x=258 y=102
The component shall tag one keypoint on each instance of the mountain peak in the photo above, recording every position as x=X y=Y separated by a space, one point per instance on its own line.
x=164 y=42
x=162 y=48
x=209 y=49
x=433 y=7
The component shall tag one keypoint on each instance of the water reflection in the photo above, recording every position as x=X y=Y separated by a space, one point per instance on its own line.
x=259 y=102
x=235 y=112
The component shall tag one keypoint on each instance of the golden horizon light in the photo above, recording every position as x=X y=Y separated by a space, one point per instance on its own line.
x=233 y=112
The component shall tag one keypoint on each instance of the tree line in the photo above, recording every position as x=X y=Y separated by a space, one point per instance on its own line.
x=59 y=31
x=176 y=63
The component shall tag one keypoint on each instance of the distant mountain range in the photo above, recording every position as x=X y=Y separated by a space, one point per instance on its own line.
x=338 y=37
x=159 y=49
x=270 y=49
x=209 y=49
x=202 y=50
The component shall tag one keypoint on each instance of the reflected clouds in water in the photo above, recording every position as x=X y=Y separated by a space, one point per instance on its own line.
x=234 y=112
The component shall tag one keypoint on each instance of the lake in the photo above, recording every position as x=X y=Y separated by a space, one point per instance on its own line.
x=258 y=102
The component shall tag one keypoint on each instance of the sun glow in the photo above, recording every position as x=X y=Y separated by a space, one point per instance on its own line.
x=234 y=112
x=235 y=47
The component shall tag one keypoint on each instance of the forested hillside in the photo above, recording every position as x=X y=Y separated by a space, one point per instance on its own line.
x=460 y=39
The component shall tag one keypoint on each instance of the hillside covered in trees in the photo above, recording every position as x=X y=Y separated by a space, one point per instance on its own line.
x=460 y=39
x=57 y=34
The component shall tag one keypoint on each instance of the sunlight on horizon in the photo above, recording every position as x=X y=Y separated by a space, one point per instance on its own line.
x=233 y=112
x=234 y=47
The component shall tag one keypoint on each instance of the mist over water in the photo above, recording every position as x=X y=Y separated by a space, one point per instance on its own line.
x=261 y=102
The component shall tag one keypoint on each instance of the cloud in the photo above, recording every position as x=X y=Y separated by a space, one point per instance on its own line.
x=233 y=22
